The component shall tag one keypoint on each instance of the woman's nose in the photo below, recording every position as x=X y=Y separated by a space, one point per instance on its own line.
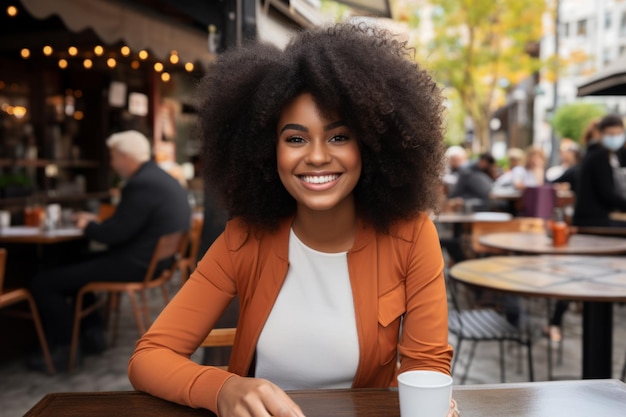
x=318 y=154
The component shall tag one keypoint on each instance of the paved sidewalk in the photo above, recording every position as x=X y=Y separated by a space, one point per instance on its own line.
x=21 y=389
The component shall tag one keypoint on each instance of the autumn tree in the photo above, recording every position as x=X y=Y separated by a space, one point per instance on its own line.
x=478 y=48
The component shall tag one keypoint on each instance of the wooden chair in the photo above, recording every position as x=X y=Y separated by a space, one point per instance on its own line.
x=517 y=224
x=219 y=338
x=169 y=247
x=189 y=261
x=13 y=296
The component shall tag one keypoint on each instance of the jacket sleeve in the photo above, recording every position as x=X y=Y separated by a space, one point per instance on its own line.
x=424 y=339
x=160 y=364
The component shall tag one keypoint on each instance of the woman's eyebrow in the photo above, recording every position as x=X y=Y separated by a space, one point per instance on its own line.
x=334 y=125
x=294 y=126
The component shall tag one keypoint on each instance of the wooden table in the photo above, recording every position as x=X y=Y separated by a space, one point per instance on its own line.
x=598 y=281
x=481 y=216
x=540 y=243
x=28 y=234
x=461 y=220
x=605 y=398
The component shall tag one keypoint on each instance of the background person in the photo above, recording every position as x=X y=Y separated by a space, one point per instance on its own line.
x=475 y=182
x=600 y=189
x=327 y=161
x=152 y=204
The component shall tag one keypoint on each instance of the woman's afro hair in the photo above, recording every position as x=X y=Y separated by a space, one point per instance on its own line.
x=362 y=74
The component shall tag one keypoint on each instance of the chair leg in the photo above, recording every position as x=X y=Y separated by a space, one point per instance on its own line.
x=114 y=308
x=469 y=361
x=147 y=320
x=41 y=335
x=457 y=350
x=78 y=311
x=502 y=376
x=531 y=371
x=623 y=376
x=137 y=313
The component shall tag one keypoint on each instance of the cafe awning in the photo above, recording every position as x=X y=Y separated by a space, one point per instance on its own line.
x=114 y=22
x=379 y=8
x=611 y=81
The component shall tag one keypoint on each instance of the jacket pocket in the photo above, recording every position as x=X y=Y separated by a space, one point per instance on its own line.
x=391 y=307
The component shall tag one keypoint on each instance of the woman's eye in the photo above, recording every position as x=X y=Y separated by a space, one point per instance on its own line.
x=294 y=139
x=339 y=138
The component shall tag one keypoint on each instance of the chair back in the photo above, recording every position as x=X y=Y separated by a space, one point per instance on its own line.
x=189 y=259
x=517 y=224
x=539 y=201
x=220 y=337
x=195 y=234
x=169 y=247
x=3 y=263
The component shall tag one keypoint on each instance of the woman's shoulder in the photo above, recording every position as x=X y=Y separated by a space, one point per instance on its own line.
x=411 y=229
x=238 y=233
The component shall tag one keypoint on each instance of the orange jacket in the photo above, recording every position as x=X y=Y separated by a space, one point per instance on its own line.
x=395 y=276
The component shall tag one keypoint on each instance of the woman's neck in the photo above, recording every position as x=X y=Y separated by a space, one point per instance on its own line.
x=328 y=231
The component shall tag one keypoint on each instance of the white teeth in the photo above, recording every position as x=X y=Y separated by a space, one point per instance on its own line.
x=319 y=179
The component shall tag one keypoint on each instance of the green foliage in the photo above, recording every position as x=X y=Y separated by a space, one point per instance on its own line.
x=478 y=48
x=570 y=120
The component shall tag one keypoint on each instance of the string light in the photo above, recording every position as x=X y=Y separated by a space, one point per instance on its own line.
x=78 y=115
x=99 y=50
x=12 y=11
x=78 y=93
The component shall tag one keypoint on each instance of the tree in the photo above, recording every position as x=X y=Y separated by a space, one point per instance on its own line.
x=479 y=48
x=570 y=120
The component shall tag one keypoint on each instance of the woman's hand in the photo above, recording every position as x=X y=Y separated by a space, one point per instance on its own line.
x=454 y=410
x=254 y=397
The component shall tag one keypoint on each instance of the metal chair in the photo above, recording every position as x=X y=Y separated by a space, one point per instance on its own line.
x=483 y=324
x=169 y=247
x=16 y=295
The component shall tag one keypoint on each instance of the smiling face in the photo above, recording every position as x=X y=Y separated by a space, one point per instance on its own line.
x=318 y=158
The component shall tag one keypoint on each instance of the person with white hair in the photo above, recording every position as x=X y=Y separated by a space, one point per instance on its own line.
x=456 y=159
x=152 y=203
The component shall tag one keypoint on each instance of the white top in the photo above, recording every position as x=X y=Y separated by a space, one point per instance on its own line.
x=309 y=340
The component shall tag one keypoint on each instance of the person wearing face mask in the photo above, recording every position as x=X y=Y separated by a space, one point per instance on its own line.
x=602 y=184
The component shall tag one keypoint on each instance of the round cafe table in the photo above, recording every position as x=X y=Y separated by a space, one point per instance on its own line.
x=540 y=243
x=597 y=281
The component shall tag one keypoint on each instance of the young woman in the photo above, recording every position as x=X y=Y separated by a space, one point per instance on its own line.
x=327 y=156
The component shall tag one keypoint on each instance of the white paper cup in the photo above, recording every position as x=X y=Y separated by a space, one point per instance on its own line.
x=424 y=393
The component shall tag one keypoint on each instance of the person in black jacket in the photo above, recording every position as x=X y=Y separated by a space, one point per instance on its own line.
x=152 y=204
x=598 y=191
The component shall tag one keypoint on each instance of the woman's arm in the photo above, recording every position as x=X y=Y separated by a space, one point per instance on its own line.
x=424 y=340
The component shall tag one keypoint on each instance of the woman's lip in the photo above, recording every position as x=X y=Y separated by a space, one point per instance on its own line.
x=321 y=186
